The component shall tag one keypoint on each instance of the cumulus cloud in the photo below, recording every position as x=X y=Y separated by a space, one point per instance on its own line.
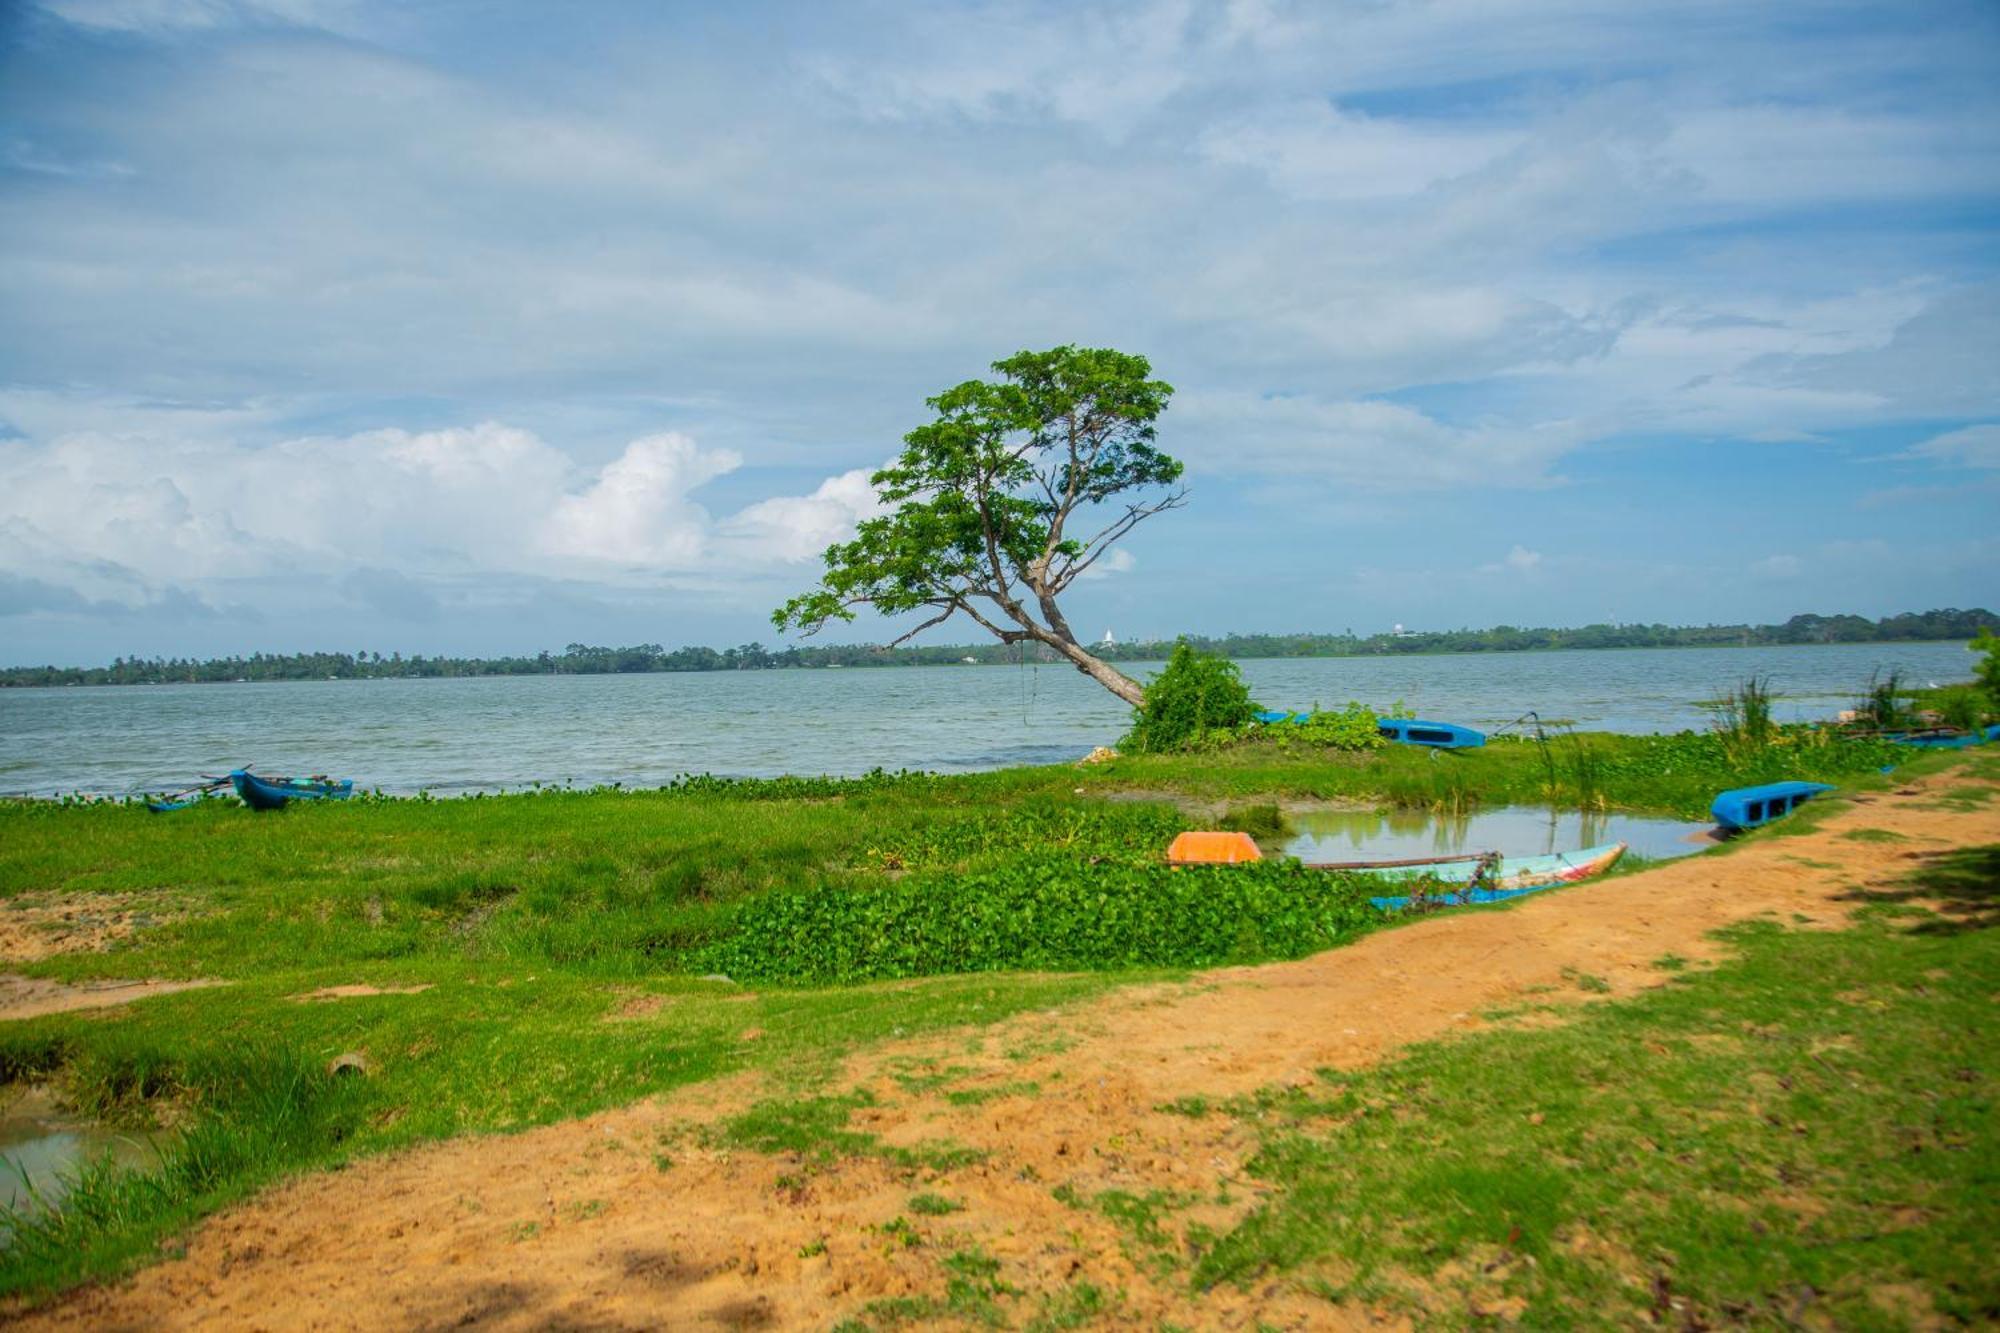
x=116 y=517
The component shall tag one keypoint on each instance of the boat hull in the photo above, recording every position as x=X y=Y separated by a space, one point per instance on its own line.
x=1435 y=735
x=276 y=793
x=1751 y=807
x=1514 y=877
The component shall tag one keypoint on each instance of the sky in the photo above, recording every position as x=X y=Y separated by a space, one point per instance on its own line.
x=454 y=327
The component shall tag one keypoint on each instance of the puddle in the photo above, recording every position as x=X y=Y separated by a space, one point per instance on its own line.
x=42 y=1149
x=1515 y=830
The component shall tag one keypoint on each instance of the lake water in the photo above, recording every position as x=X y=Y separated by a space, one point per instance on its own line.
x=462 y=735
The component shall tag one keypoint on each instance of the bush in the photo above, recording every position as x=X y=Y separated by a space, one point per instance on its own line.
x=1987 y=673
x=1197 y=696
x=1961 y=706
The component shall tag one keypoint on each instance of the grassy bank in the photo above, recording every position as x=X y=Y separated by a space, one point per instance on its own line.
x=1806 y=1135
x=513 y=932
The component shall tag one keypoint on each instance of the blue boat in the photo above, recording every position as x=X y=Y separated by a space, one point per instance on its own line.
x=1437 y=735
x=1270 y=717
x=262 y=793
x=1948 y=740
x=1748 y=807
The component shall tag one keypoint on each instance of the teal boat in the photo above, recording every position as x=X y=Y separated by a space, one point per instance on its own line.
x=262 y=793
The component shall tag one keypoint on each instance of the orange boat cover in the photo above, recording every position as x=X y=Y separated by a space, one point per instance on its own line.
x=1212 y=849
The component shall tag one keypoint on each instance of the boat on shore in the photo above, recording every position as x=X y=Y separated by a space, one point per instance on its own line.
x=1946 y=738
x=1491 y=871
x=1436 y=735
x=267 y=793
x=1749 y=807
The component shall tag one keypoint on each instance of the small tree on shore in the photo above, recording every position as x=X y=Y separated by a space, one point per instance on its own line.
x=995 y=507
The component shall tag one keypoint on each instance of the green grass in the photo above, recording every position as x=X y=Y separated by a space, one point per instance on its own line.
x=564 y=937
x=1793 y=1130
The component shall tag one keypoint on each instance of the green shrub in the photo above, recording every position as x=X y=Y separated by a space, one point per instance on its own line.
x=1961 y=706
x=1196 y=697
x=1987 y=673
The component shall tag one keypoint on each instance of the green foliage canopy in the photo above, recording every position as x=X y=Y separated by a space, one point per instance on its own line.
x=979 y=506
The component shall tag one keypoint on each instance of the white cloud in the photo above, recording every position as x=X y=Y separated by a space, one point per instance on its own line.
x=1777 y=567
x=1373 y=444
x=165 y=16
x=1314 y=150
x=798 y=528
x=1974 y=446
x=1117 y=560
x=120 y=516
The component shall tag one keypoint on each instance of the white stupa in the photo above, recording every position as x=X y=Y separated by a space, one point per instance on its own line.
x=1109 y=640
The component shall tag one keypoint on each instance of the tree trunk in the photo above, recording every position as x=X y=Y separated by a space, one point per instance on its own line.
x=1110 y=677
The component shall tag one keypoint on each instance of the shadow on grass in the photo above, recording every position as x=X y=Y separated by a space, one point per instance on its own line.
x=1963 y=886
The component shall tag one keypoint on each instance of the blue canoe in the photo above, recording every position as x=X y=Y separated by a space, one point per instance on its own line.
x=1437 y=735
x=1269 y=717
x=1941 y=740
x=1747 y=807
x=261 y=793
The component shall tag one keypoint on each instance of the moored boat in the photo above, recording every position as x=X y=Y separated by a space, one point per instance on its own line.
x=1502 y=873
x=1947 y=738
x=265 y=793
x=1437 y=735
x=1749 y=807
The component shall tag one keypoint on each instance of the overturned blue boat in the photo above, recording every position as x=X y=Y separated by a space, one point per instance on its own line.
x=1437 y=735
x=1946 y=739
x=262 y=793
x=1748 y=807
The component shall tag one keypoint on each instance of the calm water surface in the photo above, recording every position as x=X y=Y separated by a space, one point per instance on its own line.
x=461 y=735
x=42 y=1149
x=1515 y=830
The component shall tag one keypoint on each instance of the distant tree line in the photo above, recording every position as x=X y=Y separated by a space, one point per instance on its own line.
x=585 y=660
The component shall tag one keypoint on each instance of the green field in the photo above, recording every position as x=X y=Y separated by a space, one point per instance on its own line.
x=530 y=918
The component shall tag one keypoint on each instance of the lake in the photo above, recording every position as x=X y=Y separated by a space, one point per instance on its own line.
x=643 y=730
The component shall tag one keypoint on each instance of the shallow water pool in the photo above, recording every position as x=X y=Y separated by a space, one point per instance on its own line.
x=42 y=1149
x=1514 y=830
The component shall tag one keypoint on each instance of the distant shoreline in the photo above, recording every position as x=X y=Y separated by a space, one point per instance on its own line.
x=651 y=659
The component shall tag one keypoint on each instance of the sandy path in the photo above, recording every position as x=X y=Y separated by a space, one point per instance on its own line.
x=32 y=997
x=576 y=1225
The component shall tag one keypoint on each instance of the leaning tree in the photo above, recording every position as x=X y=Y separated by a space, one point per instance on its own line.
x=986 y=511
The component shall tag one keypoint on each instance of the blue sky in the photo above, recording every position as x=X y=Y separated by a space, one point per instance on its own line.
x=453 y=327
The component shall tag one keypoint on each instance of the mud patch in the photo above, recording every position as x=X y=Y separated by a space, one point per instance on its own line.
x=34 y=926
x=32 y=997
x=633 y=1007
x=355 y=992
